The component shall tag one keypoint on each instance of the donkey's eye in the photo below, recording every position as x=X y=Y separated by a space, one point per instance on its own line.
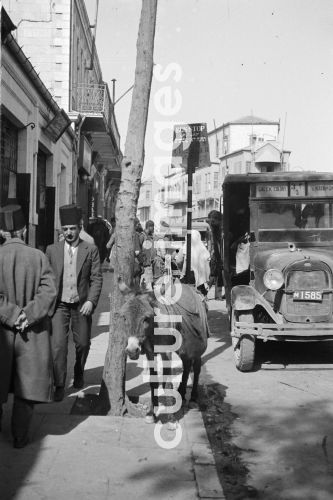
x=146 y=322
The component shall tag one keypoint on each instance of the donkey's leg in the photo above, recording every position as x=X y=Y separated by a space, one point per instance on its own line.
x=173 y=402
x=187 y=364
x=151 y=417
x=196 y=374
x=166 y=369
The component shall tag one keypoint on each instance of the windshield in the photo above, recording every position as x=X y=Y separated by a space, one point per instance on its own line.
x=300 y=222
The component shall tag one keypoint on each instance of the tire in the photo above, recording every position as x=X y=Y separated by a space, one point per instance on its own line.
x=244 y=348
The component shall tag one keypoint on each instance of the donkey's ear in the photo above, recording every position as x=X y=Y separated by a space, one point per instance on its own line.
x=125 y=290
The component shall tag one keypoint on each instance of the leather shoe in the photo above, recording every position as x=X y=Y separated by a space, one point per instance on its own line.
x=20 y=443
x=78 y=382
x=59 y=394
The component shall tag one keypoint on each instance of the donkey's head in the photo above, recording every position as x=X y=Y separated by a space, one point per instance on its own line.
x=137 y=316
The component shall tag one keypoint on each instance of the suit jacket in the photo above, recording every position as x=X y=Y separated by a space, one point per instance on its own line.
x=88 y=271
x=26 y=283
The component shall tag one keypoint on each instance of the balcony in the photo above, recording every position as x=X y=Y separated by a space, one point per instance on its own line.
x=208 y=193
x=175 y=199
x=94 y=102
x=90 y=99
x=144 y=202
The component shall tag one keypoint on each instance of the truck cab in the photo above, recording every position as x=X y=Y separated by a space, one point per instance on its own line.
x=278 y=259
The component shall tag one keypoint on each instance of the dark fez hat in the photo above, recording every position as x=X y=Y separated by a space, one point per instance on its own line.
x=11 y=218
x=70 y=215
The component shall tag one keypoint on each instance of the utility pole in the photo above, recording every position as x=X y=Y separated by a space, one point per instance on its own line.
x=191 y=146
x=192 y=164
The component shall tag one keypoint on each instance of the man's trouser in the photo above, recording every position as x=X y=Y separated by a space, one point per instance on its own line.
x=68 y=315
x=21 y=419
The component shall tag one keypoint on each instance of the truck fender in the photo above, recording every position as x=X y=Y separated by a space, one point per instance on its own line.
x=244 y=297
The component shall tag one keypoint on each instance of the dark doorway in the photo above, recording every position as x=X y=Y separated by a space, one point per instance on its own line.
x=45 y=201
x=23 y=196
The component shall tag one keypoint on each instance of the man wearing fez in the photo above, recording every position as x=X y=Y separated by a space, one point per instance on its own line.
x=76 y=266
x=27 y=292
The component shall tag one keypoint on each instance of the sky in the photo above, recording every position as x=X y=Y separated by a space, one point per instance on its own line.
x=234 y=58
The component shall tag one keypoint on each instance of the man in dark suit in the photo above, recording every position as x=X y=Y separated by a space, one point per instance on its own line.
x=76 y=266
x=27 y=292
x=98 y=230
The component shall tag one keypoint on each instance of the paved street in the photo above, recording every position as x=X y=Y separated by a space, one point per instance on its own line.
x=276 y=421
x=271 y=431
x=96 y=457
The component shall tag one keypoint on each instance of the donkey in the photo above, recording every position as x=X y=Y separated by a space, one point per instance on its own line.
x=151 y=317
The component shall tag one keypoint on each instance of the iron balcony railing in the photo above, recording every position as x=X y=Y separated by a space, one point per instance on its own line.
x=95 y=100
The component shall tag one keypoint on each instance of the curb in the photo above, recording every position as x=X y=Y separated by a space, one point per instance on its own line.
x=204 y=465
x=205 y=473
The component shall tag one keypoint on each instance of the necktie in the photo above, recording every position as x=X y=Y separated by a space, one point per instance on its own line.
x=70 y=251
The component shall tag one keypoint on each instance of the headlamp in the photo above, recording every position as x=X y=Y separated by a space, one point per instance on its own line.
x=273 y=279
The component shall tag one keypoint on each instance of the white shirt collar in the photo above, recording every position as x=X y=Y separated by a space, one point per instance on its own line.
x=74 y=247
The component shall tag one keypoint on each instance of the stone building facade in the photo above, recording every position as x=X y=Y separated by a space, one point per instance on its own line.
x=60 y=41
x=37 y=143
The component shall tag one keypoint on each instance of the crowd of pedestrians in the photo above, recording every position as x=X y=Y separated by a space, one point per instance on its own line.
x=44 y=297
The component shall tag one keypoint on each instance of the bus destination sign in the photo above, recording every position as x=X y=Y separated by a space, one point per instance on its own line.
x=299 y=189
x=273 y=190
x=320 y=189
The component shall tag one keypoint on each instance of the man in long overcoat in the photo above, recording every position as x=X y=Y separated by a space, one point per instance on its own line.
x=77 y=269
x=27 y=292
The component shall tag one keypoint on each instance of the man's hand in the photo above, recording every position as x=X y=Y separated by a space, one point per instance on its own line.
x=87 y=308
x=21 y=323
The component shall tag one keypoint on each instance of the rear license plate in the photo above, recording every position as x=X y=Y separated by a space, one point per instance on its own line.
x=308 y=296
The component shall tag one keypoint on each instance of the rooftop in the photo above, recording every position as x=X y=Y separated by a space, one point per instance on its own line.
x=245 y=120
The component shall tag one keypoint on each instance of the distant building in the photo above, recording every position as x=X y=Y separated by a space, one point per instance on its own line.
x=262 y=157
x=207 y=184
x=60 y=43
x=145 y=202
x=174 y=195
x=249 y=144
x=238 y=134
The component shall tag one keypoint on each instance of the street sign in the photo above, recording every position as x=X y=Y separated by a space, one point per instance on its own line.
x=183 y=136
x=57 y=126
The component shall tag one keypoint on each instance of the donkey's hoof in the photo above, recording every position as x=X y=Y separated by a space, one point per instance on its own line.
x=193 y=404
x=150 y=418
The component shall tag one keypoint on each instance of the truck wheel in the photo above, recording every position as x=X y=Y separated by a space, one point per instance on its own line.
x=244 y=348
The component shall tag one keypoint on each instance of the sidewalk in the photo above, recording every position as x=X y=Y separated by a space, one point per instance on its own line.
x=93 y=457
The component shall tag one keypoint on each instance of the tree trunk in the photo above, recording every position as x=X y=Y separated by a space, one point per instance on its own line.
x=112 y=391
